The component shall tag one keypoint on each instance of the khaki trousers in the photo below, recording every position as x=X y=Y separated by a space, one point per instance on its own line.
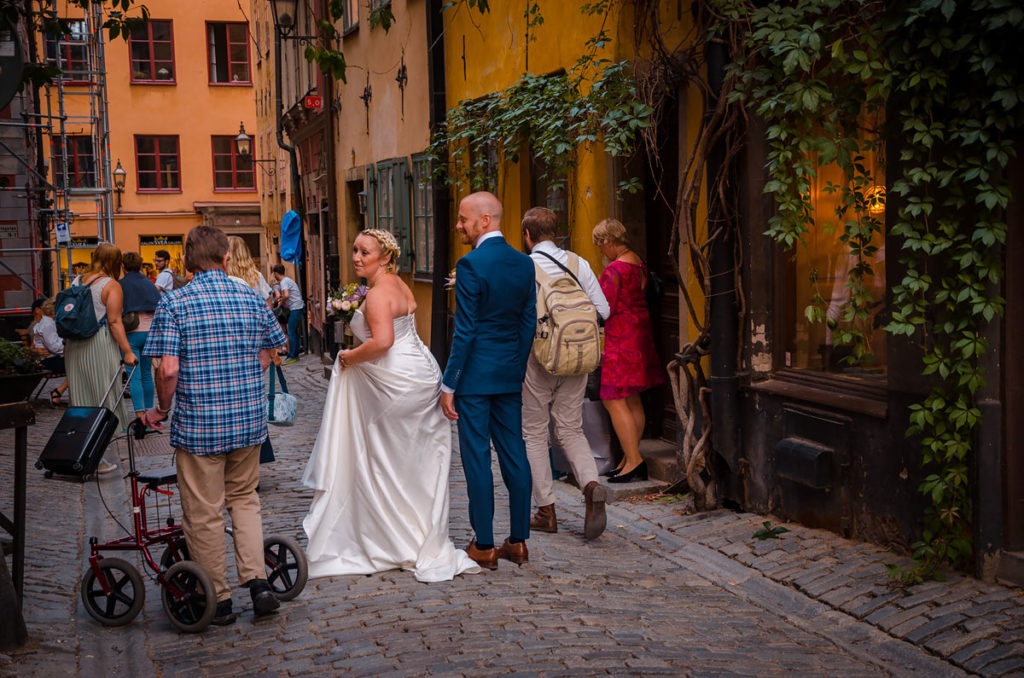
x=564 y=397
x=206 y=484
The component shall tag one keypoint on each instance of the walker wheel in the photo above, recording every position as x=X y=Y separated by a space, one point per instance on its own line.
x=176 y=551
x=188 y=597
x=287 y=567
x=126 y=597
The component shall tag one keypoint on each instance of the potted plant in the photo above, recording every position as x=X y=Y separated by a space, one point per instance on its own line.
x=20 y=372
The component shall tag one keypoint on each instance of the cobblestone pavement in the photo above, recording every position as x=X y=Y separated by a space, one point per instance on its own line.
x=661 y=593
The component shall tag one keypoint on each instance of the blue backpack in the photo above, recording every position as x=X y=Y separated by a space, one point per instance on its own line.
x=74 y=314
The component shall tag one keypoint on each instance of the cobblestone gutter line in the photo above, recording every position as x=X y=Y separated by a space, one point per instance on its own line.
x=978 y=627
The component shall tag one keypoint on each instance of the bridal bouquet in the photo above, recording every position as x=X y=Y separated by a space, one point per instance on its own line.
x=343 y=302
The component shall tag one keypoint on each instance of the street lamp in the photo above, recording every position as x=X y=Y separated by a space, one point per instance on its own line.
x=120 y=176
x=284 y=15
x=243 y=142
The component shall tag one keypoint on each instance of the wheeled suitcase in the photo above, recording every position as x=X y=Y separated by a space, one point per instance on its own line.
x=76 y=446
x=597 y=427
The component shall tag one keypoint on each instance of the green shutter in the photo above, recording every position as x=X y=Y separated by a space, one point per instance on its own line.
x=403 y=212
x=371 y=198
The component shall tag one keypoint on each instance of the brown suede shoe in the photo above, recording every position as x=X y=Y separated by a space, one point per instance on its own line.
x=594 y=520
x=487 y=559
x=544 y=519
x=517 y=553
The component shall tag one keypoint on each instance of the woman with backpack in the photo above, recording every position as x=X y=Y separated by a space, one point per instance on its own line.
x=630 y=362
x=92 y=361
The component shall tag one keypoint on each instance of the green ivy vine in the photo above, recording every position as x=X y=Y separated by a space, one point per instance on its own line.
x=946 y=76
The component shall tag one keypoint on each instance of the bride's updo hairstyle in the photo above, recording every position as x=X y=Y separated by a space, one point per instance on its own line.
x=388 y=246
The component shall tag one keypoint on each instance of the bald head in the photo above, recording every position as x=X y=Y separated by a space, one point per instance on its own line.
x=479 y=213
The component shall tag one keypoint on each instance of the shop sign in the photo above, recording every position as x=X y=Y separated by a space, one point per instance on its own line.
x=313 y=102
x=172 y=240
x=86 y=243
x=8 y=230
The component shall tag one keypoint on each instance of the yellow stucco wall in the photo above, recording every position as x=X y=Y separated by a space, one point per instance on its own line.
x=489 y=52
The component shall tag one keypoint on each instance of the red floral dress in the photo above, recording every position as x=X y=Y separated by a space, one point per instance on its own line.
x=630 y=363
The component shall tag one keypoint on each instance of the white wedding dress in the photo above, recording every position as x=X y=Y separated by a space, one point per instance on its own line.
x=380 y=466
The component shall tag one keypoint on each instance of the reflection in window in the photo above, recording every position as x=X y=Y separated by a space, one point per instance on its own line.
x=549 y=191
x=156 y=158
x=152 y=52
x=837 y=319
x=423 y=216
x=70 y=52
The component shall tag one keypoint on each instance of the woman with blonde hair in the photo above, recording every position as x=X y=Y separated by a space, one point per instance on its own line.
x=242 y=267
x=379 y=467
x=93 y=362
x=630 y=364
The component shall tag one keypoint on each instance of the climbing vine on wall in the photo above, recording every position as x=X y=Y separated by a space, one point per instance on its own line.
x=947 y=76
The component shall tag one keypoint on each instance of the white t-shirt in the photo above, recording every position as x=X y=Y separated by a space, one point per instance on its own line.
x=294 y=301
x=44 y=335
x=165 y=281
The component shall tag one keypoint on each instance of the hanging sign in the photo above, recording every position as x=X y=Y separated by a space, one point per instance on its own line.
x=63 y=233
x=313 y=102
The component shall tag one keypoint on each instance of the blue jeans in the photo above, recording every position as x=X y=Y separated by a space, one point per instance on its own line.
x=141 y=383
x=294 y=316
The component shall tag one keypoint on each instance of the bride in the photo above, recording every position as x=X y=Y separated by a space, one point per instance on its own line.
x=380 y=463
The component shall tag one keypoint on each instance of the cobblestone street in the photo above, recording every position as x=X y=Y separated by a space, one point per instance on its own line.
x=660 y=593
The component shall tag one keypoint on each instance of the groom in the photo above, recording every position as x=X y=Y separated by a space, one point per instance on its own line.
x=495 y=321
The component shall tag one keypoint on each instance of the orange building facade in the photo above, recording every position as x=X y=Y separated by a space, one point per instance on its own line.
x=177 y=94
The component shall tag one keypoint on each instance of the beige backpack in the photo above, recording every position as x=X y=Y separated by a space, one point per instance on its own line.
x=568 y=339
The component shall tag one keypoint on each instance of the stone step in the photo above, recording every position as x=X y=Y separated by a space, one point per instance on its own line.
x=1011 y=568
x=660 y=456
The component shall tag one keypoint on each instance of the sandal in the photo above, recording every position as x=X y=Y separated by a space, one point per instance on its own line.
x=55 y=397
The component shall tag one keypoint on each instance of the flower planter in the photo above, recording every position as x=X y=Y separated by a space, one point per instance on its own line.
x=17 y=387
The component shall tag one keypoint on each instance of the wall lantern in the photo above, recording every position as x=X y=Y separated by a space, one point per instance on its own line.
x=362 y=202
x=243 y=142
x=120 y=177
x=875 y=199
x=284 y=14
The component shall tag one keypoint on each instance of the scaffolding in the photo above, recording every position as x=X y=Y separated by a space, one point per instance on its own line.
x=56 y=118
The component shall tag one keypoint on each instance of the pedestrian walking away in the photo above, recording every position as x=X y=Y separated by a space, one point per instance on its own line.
x=291 y=300
x=548 y=396
x=214 y=339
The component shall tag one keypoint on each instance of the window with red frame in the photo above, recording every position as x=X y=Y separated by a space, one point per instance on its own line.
x=228 y=51
x=81 y=167
x=232 y=172
x=73 y=52
x=152 y=52
x=157 y=164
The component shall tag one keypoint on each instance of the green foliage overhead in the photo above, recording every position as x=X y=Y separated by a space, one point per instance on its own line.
x=947 y=76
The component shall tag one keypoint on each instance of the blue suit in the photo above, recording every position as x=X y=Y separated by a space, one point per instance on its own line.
x=495 y=322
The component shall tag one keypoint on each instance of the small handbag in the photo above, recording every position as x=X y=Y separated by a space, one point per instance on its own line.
x=280 y=406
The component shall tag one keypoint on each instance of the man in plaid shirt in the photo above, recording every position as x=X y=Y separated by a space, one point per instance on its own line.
x=214 y=338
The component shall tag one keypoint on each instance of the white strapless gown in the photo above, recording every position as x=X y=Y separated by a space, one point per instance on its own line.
x=380 y=468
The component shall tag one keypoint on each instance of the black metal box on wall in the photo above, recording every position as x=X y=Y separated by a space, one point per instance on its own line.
x=810 y=462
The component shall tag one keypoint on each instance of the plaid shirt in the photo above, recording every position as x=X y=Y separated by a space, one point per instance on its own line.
x=217 y=329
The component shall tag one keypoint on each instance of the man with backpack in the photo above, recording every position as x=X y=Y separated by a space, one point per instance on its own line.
x=566 y=348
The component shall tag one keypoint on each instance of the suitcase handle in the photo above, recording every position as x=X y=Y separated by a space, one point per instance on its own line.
x=117 y=373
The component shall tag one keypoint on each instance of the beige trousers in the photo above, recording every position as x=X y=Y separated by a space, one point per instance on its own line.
x=564 y=397
x=206 y=484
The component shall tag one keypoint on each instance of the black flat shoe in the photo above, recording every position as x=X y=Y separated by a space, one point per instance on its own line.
x=613 y=472
x=639 y=472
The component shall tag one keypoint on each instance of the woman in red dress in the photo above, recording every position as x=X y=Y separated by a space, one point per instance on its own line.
x=630 y=362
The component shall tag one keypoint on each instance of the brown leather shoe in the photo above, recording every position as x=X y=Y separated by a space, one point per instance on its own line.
x=517 y=553
x=487 y=559
x=594 y=520
x=544 y=519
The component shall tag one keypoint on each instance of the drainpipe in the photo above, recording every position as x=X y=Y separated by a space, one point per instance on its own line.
x=293 y=166
x=438 y=111
x=724 y=338
x=37 y=200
